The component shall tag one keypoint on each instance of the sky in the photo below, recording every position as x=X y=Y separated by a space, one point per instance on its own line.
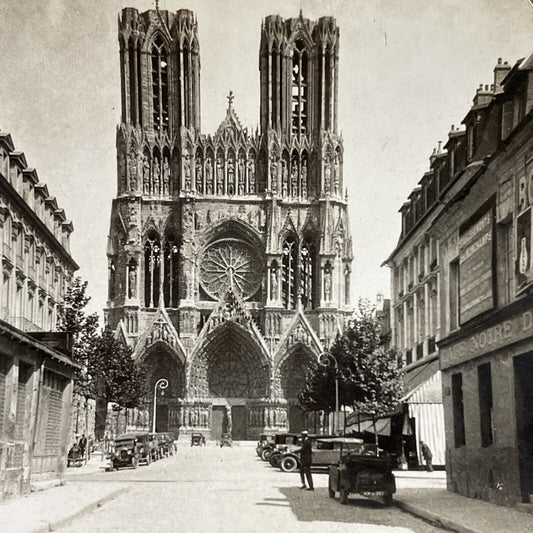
x=408 y=70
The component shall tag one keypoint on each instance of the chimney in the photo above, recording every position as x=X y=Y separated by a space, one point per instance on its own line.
x=433 y=156
x=500 y=71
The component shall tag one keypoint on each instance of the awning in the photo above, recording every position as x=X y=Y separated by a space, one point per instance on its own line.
x=423 y=377
x=383 y=426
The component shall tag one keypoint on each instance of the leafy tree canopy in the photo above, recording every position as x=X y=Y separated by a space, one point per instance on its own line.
x=369 y=378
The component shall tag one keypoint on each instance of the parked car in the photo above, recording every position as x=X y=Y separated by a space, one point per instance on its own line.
x=283 y=442
x=265 y=442
x=166 y=444
x=364 y=470
x=197 y=439
x=326 y=451
x=225 y=440
x=130 y=449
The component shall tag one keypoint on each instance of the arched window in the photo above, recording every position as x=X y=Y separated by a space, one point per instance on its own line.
x=288 y=273
x=152 y=269
x=171 y=270
x=307 y=273
x=132 y=65
x=160 y=84
x=299 y=89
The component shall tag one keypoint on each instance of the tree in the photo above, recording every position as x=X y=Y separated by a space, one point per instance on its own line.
x=73 y=319
x=369 y=378
x=118 y=378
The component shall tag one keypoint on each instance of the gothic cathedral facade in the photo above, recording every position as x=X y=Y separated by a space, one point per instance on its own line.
x=229 y=254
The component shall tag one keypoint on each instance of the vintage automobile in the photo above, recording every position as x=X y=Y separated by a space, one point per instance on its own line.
x=265 y=442
x=284 y=442
x=364 y=470
x=130 y=449
x=197 y=439
x=326 y=452
x=75 y=457
x=225 y=440
x=166 y=444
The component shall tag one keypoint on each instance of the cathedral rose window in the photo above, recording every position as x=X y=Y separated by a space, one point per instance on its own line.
x=230 y=262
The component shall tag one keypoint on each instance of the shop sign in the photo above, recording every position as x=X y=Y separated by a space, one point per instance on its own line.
x=476 y=293
x=487 y=340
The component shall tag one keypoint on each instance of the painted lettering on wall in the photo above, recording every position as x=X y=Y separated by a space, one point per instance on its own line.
x=488 y=340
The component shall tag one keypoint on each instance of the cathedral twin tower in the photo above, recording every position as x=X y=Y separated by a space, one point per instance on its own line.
x=229 y=254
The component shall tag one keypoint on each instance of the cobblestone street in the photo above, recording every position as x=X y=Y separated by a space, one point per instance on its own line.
x=231 y=490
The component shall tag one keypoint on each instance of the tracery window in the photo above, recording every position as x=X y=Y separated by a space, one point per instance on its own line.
x=152 y=269
x=307 y=273
x=288 y=272
x=299 y=90
x=160 y=84
x=171 y=272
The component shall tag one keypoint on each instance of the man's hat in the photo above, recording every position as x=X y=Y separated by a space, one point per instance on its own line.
x=305 y=432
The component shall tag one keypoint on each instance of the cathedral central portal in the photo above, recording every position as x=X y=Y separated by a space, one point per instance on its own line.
x=229 y=253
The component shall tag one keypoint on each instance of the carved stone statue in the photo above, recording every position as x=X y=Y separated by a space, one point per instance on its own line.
x=166 y=177
x=199 y=176
x=327 y=177
x=294 y=179
x=132 y=280
x=187 y=170
x=146 y=175
x=304 y=178
x=273 y=283
x=220 y=175
x=157 y=177
x=132 y=170
x=231 y=176
x=209 y=175
x=337 y=177
x=273 y=175
x=284 y=178
x=327 y=285
x=251 y=175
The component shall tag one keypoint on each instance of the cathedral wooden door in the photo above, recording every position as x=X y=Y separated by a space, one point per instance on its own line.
x=238 y=419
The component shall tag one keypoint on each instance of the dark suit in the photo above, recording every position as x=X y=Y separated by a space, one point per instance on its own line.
x=306 y=460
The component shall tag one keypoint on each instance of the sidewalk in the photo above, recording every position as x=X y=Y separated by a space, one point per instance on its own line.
x=50 y=509
x=464 y=515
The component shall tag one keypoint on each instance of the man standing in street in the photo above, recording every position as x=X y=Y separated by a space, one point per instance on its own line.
x=306 y=460
x=427 y=455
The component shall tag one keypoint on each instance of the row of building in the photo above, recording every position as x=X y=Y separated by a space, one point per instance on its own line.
x=35 y=368
x=461 y=298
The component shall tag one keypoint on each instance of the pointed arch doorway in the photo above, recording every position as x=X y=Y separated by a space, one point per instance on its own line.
x=232 y=372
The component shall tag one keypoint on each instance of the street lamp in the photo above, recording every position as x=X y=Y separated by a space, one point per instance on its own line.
x=161 y=384
x=326 y=359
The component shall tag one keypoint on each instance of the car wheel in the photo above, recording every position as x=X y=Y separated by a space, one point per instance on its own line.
x=387 y=498
x=331 y=492
x=274 y=460
x=344 y=496
x=265 y=454
x=289 y=464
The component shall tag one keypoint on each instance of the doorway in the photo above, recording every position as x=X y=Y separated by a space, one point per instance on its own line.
x=217 y=421
x=523 y=377
x=238 y=419
x=161 y=420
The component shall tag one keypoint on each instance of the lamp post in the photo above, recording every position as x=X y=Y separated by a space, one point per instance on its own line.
x=161 y=384
x=326 y=359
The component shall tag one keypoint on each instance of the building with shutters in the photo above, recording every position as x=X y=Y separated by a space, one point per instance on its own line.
x=35 y=370
x=466 y=231
x=229 y=253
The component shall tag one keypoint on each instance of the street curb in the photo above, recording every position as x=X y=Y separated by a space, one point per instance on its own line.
x=433 y=518
x=53 y=526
